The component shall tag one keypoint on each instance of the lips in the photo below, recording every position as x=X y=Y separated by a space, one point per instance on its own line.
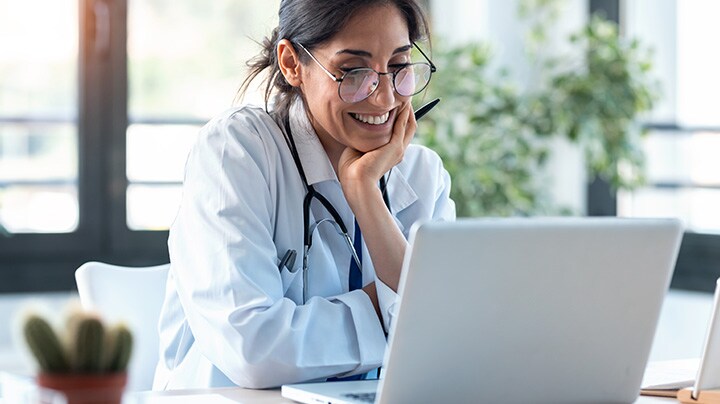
x=372 y=119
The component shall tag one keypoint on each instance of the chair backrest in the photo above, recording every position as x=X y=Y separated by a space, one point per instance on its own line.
x=131 y=295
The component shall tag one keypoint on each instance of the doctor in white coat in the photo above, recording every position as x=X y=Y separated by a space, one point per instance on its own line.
x=287 y=248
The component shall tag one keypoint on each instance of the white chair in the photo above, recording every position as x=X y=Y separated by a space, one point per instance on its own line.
x=131 y=295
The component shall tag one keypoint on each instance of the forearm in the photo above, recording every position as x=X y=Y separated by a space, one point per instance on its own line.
x=383 y=238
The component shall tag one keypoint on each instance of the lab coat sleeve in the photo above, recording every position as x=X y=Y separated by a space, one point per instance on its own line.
x=224 y=264
x=387 y=300
x=444 y=208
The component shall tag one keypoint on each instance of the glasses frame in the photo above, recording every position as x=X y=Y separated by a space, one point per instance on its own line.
x=433 y=69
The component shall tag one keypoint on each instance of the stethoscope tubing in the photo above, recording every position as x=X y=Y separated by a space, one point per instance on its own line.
x=312 y=193
x=309 y=230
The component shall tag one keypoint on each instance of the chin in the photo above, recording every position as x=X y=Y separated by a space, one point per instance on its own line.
x=373 y=144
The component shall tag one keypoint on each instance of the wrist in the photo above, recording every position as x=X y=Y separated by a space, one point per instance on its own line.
x=370 y=290
x=358 y=193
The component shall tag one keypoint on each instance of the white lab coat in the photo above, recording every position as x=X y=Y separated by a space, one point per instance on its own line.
x=230 y=317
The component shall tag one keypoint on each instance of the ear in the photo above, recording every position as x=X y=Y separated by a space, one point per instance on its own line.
x=289 y=63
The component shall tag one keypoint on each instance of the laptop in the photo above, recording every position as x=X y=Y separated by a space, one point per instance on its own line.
x=517 y=310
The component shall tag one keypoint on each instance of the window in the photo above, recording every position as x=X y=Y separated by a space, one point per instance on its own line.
x=684 y=130
x=185 y=63
x=38 y=110
x=99 y=103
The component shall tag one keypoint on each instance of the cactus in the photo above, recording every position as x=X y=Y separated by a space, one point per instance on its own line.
x=45 y=345
x=88 y=347
x=119 y=348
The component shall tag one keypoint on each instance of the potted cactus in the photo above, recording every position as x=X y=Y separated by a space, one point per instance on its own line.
x=87 y=362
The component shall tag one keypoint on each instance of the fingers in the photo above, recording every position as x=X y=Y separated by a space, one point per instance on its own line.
x=410 y=128
x=403 y=131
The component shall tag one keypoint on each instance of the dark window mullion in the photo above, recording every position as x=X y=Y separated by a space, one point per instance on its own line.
x=116 y=146
x=127 y=247
x=682 y=129
x=94 y=98
x=610 y=9
x=601 y=198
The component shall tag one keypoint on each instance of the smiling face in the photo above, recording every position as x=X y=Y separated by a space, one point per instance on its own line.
x=376 y=37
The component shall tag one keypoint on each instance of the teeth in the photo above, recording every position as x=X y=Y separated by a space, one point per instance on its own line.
x=371 y=119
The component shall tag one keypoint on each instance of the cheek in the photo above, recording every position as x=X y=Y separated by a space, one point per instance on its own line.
x=328 y=106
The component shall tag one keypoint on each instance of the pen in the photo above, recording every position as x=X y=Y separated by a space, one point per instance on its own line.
x=288 y=260
x=418 y=114
x=426 y=108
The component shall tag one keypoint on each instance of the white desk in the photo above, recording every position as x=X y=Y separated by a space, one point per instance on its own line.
x=245 y=396
x=22 y=389
x=210 y=396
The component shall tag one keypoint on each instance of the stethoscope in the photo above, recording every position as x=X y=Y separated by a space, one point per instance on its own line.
x=335 y=218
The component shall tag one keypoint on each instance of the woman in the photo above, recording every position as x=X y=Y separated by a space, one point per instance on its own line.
x=245 y=304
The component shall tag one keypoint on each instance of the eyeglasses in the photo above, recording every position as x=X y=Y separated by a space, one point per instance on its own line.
x=358 y=84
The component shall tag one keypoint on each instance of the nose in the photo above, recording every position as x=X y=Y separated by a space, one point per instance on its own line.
x=384 y=95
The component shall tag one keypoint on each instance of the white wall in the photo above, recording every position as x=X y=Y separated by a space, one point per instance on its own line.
x=654 y=22
x=459 y=20
x=496 y=22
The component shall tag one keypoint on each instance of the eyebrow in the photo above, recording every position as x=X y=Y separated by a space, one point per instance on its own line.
x=363 y=53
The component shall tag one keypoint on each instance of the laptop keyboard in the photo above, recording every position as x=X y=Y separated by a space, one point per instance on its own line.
x=364 y=397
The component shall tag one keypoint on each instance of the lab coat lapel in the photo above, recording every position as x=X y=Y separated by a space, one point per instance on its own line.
x=400 y=193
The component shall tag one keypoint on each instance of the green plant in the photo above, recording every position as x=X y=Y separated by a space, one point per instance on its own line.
x=489 y=149
x=597 y=104
x=84 y=347
x=494 y=138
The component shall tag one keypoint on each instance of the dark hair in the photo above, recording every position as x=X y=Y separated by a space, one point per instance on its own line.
x=312 y=22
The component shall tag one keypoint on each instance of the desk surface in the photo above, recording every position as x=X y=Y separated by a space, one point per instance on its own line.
x=213 y=395
x=228 y=395
x=15 y=388
x=246 y=396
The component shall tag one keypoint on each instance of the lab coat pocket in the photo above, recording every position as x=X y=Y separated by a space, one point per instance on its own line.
x=288 y=277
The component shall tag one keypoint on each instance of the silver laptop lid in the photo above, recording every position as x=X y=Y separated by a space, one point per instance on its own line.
x=528 y=310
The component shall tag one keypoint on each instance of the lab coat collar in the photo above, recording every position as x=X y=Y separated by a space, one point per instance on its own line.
x=313 y=158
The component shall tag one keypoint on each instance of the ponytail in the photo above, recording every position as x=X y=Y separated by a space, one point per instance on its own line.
x=267 y=60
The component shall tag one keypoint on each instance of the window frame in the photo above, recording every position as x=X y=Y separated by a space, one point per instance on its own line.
x=47 y=262
x=698 y=263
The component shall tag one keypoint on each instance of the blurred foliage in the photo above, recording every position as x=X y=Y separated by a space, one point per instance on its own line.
x=480 y=131
x=598 y=104
x=494 y=139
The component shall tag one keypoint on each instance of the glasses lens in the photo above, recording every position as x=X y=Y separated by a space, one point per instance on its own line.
x=412 y=79
x=358 y=84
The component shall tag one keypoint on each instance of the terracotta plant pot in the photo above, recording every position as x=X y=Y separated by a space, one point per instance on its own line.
x=86 y=388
